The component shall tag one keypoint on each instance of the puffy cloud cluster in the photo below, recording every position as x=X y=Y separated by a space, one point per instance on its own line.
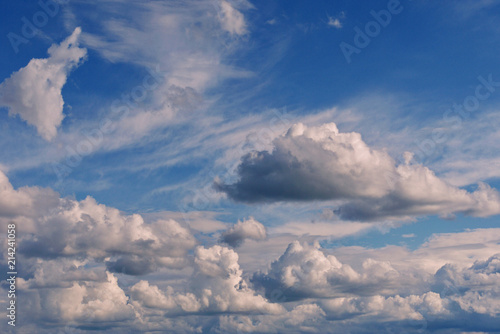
x=413 y=298
x=53 y=227
x=475 y=289
x=321 y=163
x=246 y=229
x=78 y=261
x=305 y=271
x=86 y=301
x=34 y=92
x=88 y=229
x=25 y=201
x=216 y=284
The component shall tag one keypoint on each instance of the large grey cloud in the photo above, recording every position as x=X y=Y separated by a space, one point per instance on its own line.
x=321 y=163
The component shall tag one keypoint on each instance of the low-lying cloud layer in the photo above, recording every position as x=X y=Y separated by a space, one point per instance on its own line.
x=321 y=163
x=85 y=264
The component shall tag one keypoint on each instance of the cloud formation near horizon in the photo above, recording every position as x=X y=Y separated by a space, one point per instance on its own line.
x=81 y=261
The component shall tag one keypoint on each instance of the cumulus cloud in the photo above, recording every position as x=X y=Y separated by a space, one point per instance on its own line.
x=246 y=229
x=304 y=271
x=78 y=261
x=475 y=289
x=379 y=293
x=90 y=302
x=34 y=92
x=61 y=273
x=466 y=259
x=54 y=227
x=128 y=245
x=216 y=284
x=459 y=295
x=321 y=163
x=25 y=201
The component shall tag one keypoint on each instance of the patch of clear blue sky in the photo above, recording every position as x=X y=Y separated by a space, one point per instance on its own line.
x=431 y=51
x=428 y=51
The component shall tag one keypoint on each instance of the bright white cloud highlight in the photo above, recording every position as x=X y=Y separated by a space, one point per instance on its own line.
x=34 y=92
x=217 y=286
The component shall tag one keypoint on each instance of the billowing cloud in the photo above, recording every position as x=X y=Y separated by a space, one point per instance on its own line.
x=25 y=201
x=86 y=301
x=321 y=163
x=34 y=92
x=217 y=286
x=79 y=261
x=304 y=271
x=246 y=229
x=54 y=227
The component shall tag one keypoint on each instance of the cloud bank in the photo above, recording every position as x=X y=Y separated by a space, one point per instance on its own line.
x=85 y=264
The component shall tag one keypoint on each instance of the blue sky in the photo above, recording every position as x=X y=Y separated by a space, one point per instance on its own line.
x=241 y=136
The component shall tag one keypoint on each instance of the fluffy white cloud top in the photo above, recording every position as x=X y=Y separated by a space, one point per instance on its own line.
x=322 y=163
x=216 y=284
x=34 y=92
x=304 y=271
x=53 y=227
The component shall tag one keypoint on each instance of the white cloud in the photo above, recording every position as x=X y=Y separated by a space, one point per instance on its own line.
x=332 y=230
x=246 y=229
x=304 y=271
x=26 y=201
x=87 y=302
x=67 y=249
x=217 y=286
x=55 y=227
x=231 y=19
x=334 y=22
x=34 y=92
x=185 y=41
x=202 y=221
x=322 y=163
